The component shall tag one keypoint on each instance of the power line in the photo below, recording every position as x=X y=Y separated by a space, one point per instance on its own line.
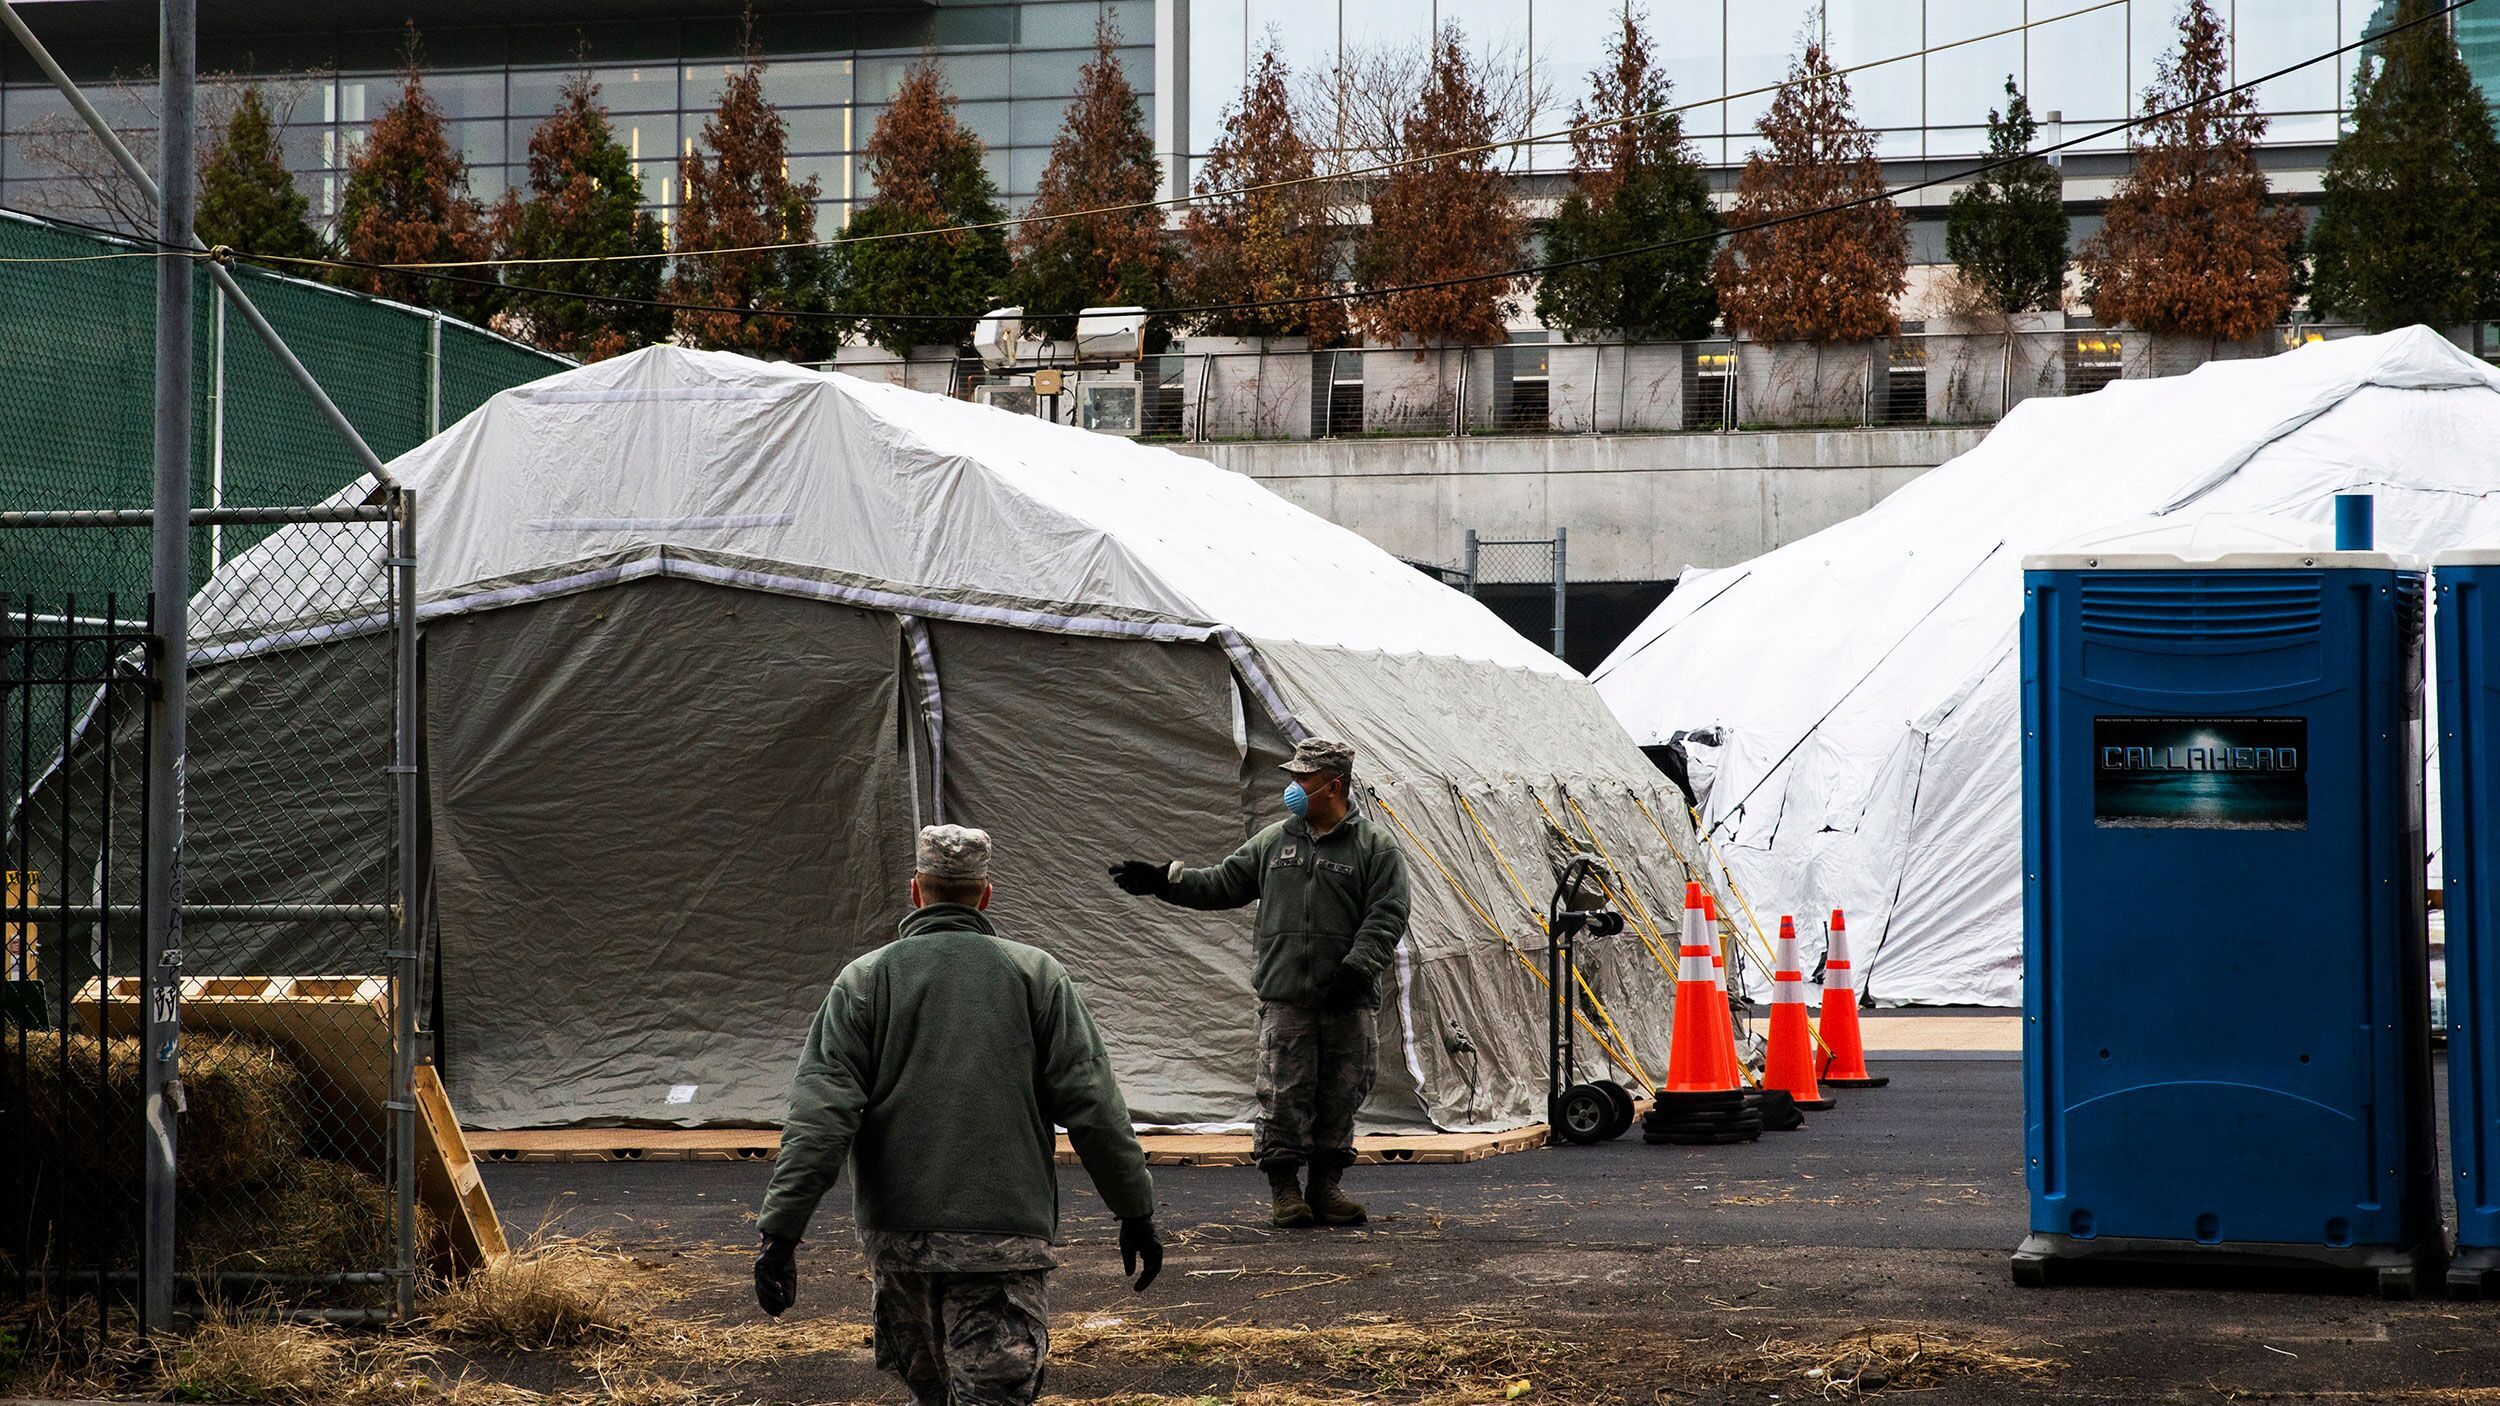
x=1460 y=280
x=1170 y=201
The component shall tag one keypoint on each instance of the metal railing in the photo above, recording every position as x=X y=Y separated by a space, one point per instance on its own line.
x=1219 y=390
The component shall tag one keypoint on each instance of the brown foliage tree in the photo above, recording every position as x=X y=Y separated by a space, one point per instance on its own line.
x=407 y=200
x=1103 y=157
x=928 y=173
x=1247 y=243
x=1449 y=217
x=585 y=203
x=741 y=197
x=1825 y=278
x=2190 y=245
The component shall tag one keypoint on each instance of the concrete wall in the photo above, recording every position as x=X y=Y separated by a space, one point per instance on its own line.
x=1639 y=507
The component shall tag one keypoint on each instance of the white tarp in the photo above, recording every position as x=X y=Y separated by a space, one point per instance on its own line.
x=1867 y=676
x=703 y=635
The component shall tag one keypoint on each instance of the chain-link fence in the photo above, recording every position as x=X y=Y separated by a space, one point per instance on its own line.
x=295 y=985
x=1541 y=565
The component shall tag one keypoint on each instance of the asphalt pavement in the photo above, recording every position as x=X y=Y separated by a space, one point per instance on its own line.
x=1673 y=1273
x=1932 y=1162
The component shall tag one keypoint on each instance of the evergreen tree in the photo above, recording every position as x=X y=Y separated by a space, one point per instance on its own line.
x=1246 y=242
x=585 y=201
x=2006 y=230
x=1103 y=157
x=926 y=168
x=740 y=196
x=1821 y=278
x=2189 y=244
x=407 y=200
x=1633 y=182
x=247 y=200
x=2409 y=230
x=1448 y=217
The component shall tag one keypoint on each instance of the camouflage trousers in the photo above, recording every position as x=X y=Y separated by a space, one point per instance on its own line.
x=1315 y=1070
x=964 y=1339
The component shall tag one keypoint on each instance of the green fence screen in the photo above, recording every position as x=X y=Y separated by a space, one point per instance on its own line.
x=77 y=388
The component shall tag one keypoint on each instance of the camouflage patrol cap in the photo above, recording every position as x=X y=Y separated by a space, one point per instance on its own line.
x=1317 y=754
x=954 y=852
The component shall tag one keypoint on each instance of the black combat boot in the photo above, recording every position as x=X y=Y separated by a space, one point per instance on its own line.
x=1327 y=1201
x=1291 y=1211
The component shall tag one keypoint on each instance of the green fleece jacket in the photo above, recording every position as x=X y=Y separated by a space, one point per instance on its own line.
x=936 y=1067
x=1324 y=901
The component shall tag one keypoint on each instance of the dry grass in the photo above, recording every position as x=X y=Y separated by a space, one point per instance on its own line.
x=230 y=1357
x=749 y=1342
x=321 y=1217
x=1253 y=1397
x=1458 y=1361
x=556 y=1292
x=1882 y=1359
x=243 y=1120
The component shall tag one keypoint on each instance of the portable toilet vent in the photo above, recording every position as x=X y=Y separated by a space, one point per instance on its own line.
x=2226 y=1000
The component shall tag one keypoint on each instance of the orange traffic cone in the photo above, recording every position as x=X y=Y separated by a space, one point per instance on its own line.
x=1693 y=1061
x=1791 y=1062
x=1729 y=1065
x=1844 y=1063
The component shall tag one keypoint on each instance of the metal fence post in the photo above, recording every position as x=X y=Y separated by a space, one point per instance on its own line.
x=216 y=427
x=1198 y=408
x=2005 y=376
x=410 y=935
x=160 y=1053
x=1562 y=537
x=434 y=374
x=1471 y=561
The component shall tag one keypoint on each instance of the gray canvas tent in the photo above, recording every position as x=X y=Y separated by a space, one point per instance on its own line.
x=705 y=637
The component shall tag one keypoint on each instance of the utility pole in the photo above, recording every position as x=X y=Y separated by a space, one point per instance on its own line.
x=160 y=1054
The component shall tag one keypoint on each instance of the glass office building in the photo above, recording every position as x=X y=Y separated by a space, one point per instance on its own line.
x=831 y=70
x=495 y=66
x=2085 y=60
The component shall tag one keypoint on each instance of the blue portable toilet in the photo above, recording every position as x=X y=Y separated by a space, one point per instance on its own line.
x=2467 y=581
x=2226 y=999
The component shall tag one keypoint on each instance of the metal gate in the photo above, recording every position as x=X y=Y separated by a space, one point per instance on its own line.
x=294 y=982
x=1537 y=561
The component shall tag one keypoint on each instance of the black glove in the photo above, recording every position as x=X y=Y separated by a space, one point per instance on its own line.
x=1348 y=988
x=1138 y=1241
x=1141 y=878
x=776 y=1275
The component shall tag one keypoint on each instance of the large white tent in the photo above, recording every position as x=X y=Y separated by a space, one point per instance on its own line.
x=704 y=637
x=1867 y=676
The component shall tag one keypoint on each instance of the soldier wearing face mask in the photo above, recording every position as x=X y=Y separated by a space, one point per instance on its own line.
x=1332 y=896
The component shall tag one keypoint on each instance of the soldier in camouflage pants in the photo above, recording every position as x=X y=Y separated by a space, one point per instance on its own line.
x=1315 y=1069
x=1333 y=901
x=933 y=1072
x=963 y=1319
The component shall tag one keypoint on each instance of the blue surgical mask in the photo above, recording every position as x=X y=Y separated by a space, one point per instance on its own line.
x=1297 y=800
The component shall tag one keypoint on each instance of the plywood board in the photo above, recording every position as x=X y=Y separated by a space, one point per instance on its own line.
x=761 y=1144
x=447 y=1179
x=1941 y=1034
x=20 y=957
x=625 y=1144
